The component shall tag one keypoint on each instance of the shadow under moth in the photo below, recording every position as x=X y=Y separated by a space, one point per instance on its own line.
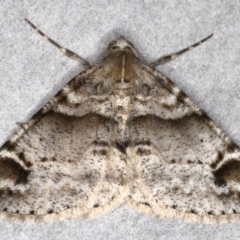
x=120 y=131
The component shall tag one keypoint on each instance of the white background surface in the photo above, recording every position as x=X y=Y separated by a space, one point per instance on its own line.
x=32 y=71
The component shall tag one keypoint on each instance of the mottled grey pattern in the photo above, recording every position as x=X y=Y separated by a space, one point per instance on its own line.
x=120 y=132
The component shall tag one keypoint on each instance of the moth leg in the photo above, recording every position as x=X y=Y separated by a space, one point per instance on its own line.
x=169 y=58
x=65 y=51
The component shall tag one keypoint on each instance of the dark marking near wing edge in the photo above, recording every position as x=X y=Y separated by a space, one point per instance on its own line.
x=217 y=160
x=64 y=99
x=231 y=146
x=228 y=172
x=11 y=147
x=9 y=169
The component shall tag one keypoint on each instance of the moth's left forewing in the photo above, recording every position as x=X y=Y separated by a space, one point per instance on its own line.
x=61 y=163
x=186 y=167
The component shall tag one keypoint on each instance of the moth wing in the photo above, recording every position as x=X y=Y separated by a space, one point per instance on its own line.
x=61 y=164
x=183 y=165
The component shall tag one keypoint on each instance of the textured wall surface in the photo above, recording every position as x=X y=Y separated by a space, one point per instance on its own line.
x=32 y=71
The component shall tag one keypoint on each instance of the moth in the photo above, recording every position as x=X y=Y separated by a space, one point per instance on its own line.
x=120 y=131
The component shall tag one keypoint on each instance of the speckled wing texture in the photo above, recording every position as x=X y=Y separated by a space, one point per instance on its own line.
x=118 y=132
x=185 y=166
x=61 y=163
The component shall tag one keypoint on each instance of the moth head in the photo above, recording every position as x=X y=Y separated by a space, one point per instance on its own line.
x=121 y=44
